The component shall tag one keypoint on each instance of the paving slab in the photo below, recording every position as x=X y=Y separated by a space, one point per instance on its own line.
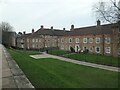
x=8 y=82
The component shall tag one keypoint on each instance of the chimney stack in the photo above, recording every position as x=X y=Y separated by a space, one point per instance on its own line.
x=98 y=22
x=72 y=28
x=42 y=27
x=32 y=30
x=24 y=32
x=63 y=29
x=51 y=27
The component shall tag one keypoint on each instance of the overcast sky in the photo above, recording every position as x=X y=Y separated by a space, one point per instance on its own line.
x=24 y=15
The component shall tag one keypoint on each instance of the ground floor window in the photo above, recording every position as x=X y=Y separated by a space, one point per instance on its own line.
x=90 y=48
x=62 y=47
x=107 y=50
x=97 y=49
x=118 y=51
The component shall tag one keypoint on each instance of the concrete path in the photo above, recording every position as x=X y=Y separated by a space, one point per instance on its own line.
x=44 y=55
x=12 y=75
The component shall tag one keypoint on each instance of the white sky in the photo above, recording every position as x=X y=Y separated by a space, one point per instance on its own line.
x=24 y=15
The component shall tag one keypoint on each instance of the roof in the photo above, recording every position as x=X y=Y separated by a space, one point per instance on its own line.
x=93 y=30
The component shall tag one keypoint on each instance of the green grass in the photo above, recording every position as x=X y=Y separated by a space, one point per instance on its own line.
x=53 y=73
x=100 y=59
x=93 y=58
x=58 y=52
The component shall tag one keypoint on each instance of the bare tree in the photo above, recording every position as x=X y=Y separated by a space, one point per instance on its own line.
x=107 y=11
x=7 y=33
x=5 y=26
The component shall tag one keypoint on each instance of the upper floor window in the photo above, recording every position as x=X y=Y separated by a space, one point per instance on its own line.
x=62 y=40
x=107 y=40
x=36 y=40
x=97 y=49
x=77 y=40
x=90 y=40
x=33 y=40
x=27 y=40
x=107 y=49
x=84 y=40
x=97 y=39
x=70 y=40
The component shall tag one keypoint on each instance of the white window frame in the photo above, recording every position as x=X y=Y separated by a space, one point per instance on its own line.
x=70 y=40
x=97 y=40
x=27 y=39
x=69 y=47
x=118 y=51
x=33 y=45
x=107 y=39
x=90 y=49
x=107 y=50
x=90 y=40
x=62 y=47
x=96 y=50
x=62 y=40
x=84 y=48
x=77 y=40
x=84 y=40
x=36 y=40
x=33 y=40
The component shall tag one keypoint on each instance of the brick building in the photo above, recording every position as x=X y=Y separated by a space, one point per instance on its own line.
x=101 y=39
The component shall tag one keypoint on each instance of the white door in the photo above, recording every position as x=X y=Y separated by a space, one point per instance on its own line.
x=77 y=48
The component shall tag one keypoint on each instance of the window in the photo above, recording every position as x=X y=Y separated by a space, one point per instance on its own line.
x=70 y=47
x=84 y=40
x=97 y=40
x=39 y=40
x=77 y=40
x=33 y=40
x=27 y=40
x=119 y=30
x=90 y=40
x=118 y=51
x=33 y=45
x=62 y=40
x=107 y=40
x=70 y=40
x=97 y=49
x=90 y=48
x=36 y=40
x=84 y=48
x=62 y=47
x=107 y=49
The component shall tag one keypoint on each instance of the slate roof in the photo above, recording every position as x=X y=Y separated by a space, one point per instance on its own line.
x=91 y=30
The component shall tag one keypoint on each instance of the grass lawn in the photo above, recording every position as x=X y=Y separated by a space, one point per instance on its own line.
x=53 y=73
x=94 y=58
x=100 y=59
x=58 y=52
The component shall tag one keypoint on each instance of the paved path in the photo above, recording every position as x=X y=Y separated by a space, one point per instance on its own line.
x=12 y=75
x=44 y=55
